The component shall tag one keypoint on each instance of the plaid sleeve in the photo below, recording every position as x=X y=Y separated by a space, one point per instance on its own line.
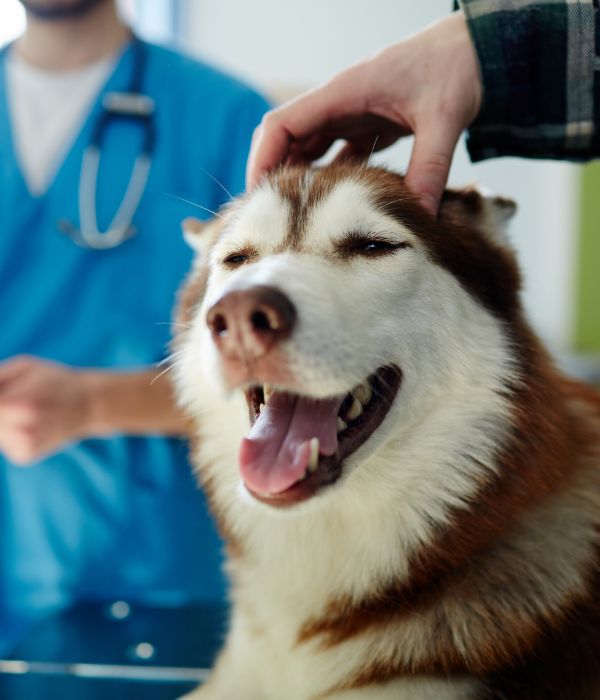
x=540 y=72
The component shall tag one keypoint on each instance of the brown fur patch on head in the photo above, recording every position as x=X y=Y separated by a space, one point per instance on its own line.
x=302 y=189
x=457 y=240
x=487 y=269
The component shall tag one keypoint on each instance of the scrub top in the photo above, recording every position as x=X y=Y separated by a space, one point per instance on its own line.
x=121 y=517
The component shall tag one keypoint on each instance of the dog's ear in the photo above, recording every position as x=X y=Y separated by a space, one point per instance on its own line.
x=199 y=235
x=473 y=207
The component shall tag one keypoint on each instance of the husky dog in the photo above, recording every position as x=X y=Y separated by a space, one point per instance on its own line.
x=408 y=488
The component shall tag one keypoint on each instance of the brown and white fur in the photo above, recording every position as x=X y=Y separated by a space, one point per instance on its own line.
x=454 y=552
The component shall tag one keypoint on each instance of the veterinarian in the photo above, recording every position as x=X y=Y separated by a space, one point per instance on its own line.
x=521 y=75
x=106 y=509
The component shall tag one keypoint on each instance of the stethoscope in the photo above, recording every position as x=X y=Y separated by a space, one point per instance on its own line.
x=131 y=105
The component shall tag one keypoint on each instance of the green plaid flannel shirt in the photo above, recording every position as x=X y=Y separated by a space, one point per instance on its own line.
x=540 y=67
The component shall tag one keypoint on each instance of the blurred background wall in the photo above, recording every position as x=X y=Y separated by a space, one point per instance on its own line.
x=285 y=46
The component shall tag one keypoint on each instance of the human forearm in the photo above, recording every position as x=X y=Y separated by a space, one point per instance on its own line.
x=136 y=403
x=46 y=405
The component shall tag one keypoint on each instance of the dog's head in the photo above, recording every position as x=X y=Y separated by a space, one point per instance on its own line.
x=344 y=314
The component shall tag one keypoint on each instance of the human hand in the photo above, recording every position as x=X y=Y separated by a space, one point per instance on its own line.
x=43 y=405
x=428 y=85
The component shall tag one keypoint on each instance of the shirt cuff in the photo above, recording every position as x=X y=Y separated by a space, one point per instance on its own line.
x=537 y=64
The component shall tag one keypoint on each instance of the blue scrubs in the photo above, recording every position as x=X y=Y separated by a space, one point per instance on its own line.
x=122 y=517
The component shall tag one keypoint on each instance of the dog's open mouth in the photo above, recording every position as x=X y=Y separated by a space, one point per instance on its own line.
x=297 y=444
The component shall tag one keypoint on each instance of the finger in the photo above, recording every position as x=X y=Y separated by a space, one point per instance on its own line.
x=430 y=162
x=270 y=146
x=19 y=446
x=15 y=412
x=13 y=367
x=304 y=116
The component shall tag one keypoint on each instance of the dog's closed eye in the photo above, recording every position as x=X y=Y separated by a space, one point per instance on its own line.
x=239 y=257
x=368 y=246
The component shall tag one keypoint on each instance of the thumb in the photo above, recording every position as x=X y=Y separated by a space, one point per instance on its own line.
x=430 y=163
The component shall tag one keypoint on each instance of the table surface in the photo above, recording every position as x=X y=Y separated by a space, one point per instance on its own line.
x=115 y=650
x=40 y=687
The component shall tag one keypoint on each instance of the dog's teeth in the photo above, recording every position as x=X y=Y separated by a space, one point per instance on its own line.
x=363 y=393
x=341 y=425
x=355 y=410
x=260 y=408
x=267 y=391
x=313 y=462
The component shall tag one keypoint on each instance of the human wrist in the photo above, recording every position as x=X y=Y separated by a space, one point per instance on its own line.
x=97 y=389
x=128 y=402
x=471 y=66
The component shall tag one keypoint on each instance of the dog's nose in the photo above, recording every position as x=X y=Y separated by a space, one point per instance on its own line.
x=246 y=324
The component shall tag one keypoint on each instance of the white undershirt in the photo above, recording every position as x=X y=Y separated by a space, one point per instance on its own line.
x=47 y=111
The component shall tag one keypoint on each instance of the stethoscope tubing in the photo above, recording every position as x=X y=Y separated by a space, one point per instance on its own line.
x=132 y=105
x=121 y=227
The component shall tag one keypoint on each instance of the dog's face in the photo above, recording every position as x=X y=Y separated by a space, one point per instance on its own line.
x=341 y=311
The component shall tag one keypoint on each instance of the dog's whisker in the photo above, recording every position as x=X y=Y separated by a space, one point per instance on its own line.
x=174 y=324
x=194 y=204
x=218 y=182
x=158 y=376
x=366 y=165
x=168 y=358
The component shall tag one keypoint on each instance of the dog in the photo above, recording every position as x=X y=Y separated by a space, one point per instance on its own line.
x=408 y=489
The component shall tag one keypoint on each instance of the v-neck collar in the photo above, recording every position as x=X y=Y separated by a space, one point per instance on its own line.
x=117 y=80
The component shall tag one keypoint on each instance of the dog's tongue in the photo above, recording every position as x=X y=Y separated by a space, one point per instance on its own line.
x=276 y=452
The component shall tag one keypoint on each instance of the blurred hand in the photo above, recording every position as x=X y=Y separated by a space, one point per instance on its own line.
x=427 y=85
x=43 y=405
